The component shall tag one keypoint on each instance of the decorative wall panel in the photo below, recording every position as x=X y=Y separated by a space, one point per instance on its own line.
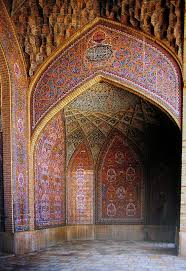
x=111 y=51
x=80 y=187
x=120 y=183
x=19 y=131
x=50 y=175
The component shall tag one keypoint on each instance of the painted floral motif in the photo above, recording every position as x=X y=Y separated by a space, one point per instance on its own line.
x=120 y=197
x=80 y=188
x=49 y=175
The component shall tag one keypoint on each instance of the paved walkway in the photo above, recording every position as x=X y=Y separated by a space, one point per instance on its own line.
x=99 y=256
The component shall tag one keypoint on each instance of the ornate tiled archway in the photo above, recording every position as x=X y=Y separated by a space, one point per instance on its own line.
x=90 y=117
x=109 y=52
x=104 y=49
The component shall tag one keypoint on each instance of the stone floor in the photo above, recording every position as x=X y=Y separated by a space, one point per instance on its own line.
x=99 y=256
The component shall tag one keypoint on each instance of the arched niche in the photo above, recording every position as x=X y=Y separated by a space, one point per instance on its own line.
x=120 y=183
x=49 y=175
x=80 y=187
x=140 y=125
x=104 y=49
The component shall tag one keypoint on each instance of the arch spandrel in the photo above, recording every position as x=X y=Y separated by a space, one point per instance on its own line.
x=108 y=50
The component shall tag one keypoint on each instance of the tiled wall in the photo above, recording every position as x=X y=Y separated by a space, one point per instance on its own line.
x=15 y=127
x=115 y=53
x=80 y=188
x=50 y=175
x=1 y=185
x=120 y=182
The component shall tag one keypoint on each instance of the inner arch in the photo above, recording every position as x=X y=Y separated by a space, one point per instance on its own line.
x=145 y=172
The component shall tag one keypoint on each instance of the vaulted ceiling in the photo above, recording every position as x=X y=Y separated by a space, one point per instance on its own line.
x=101 y=110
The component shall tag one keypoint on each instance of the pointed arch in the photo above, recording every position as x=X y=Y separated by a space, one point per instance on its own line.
x=119 y=183
x=80 y=187
x=106 y=49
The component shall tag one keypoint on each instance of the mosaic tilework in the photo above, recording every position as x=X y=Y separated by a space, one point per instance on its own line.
x=1 y=185
x=106 y=131
x=119 y=183
x=19 y=87
x=50 y=175
x=103 y=109
x=80 y=187
x=99 y=110
x=131 y=60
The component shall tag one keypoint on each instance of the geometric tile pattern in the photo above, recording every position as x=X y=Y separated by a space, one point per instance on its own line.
x=93 y=115
x=120 y=181
x=80 y=188
x=125 y=57
x=50 y=175
x=1 y=184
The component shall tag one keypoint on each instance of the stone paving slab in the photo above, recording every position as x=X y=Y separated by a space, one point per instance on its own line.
x=99 y=256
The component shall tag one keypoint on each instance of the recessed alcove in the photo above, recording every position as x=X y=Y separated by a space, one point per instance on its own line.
x=107 y=167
